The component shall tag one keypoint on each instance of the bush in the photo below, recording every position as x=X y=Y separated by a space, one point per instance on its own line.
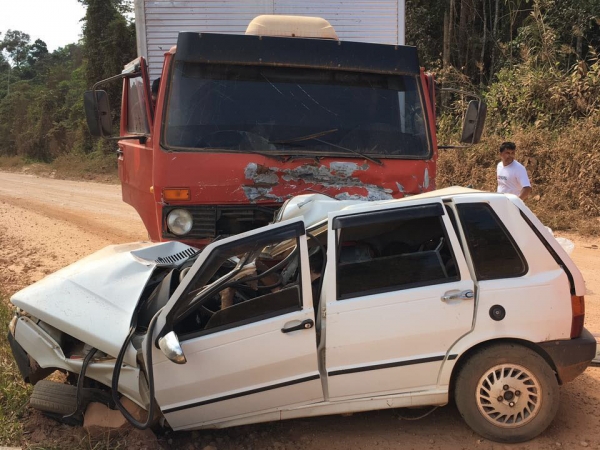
x=564 y=168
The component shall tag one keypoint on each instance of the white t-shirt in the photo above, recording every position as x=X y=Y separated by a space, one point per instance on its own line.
x=512 y=178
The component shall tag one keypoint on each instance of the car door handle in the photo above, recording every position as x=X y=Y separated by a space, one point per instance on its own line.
x=458 y=295
x=304 y=325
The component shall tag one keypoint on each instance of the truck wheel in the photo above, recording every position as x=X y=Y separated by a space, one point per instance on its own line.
x=52 y=397
x=507 y=393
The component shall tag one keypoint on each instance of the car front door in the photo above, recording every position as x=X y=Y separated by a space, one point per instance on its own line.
x=399 y=294
x=245 y=321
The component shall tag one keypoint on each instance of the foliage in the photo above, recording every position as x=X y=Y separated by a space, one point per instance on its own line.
x=563 y=165
x=16 y=45
x=41 y=93
x=544 y=97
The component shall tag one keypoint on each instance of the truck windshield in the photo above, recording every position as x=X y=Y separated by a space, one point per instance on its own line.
x=288 y=111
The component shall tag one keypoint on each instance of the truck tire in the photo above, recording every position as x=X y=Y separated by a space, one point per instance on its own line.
x=49 y=396
x=507 y=393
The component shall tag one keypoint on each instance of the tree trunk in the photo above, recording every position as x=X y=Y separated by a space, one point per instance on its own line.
x=483 y=42
x=446 y=52
x=495 y=38
x=451 y=26
x=446 y=44
x=463 y=33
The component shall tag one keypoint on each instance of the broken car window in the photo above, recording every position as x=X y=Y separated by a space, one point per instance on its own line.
x=392 y=255
x=286 y=111
x=244 y=283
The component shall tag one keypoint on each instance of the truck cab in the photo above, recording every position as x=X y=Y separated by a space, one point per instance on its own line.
x=241 y=123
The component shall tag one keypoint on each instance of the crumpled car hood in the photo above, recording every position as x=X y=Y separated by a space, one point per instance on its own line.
x=94 y=299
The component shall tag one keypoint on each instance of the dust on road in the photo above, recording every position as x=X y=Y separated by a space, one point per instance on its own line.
x=46 y=224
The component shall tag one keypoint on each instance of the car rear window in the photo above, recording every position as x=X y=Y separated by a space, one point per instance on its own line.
x=493 y=251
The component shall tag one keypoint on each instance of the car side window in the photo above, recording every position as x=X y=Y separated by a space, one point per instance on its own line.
x=400 y=251
x=494 y=252
x=248 y=282
x=137 y=121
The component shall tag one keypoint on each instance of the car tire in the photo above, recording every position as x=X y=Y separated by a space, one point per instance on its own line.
x=507 y=393
x=52 y=397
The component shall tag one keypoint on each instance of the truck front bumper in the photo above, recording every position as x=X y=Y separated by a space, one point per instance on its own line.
x=571 y=357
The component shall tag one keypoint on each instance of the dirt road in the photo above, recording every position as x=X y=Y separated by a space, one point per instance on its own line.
x=46 y=224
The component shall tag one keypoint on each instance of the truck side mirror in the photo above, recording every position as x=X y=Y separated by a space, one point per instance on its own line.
x=473 y=122
x=169 y=344
x=97 y=113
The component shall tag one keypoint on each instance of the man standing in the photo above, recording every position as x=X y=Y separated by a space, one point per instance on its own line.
x=512 y=176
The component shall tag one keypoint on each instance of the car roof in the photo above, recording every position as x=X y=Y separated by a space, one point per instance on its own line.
x=439 y=193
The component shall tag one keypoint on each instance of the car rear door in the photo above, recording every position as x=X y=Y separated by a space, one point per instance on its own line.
x=256 y=355
x=516 y=277
x=398 y=295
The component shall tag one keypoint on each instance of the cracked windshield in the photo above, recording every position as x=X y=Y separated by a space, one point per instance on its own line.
x=295 y=111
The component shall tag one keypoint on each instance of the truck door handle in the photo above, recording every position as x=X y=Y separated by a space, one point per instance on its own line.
x=458 y=295
x=119 y=152
x=304 y=325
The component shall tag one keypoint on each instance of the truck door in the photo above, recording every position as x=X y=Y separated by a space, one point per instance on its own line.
x=398 y=295
x=245 y=321
x=136 y=156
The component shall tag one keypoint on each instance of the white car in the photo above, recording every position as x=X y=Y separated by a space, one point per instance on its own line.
x=455 y=293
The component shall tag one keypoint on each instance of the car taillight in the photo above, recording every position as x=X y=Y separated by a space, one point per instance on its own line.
x=578 y=309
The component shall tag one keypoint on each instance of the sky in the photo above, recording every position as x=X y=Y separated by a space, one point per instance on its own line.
x=56 y=22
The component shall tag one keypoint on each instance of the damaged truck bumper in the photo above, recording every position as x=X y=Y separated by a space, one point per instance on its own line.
x=38 y=354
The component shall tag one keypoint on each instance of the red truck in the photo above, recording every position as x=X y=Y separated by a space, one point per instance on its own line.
x=240 y=123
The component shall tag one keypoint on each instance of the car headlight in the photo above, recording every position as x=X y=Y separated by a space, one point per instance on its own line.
x=179 y=222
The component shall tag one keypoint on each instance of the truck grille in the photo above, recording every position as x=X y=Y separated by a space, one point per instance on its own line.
x=220 y=221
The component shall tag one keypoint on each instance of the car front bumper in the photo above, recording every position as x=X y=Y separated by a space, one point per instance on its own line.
x=37 y=355
x=571 y=357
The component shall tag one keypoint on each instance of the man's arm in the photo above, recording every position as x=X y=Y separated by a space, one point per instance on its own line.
x=524 y=181
x=525 y=192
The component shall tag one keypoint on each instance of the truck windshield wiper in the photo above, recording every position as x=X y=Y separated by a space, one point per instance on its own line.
x=305 y=138
x=316 y=136
x=356 y=152
x=245 y=150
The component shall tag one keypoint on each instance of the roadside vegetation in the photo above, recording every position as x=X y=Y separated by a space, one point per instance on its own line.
x=14 y=394
x=536 y=62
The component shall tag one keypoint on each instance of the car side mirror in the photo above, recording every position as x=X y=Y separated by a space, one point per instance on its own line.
x=97 y=113
x=473 y=122
x=169 y=344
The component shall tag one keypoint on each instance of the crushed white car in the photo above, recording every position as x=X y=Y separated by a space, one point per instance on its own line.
x=456 y=293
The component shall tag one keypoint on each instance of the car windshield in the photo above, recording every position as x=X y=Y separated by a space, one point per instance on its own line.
x=287 y=111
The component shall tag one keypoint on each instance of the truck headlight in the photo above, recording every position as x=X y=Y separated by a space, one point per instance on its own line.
x=180 y=222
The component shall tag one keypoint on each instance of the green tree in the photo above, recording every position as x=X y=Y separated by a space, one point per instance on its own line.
x=108 y=39
x=16 y=45
x=108 y=44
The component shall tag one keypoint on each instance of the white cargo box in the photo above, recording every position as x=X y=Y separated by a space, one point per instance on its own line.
x=159 y=21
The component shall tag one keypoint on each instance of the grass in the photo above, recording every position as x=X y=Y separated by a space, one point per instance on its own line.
x=14 y=393
x=95 y=166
